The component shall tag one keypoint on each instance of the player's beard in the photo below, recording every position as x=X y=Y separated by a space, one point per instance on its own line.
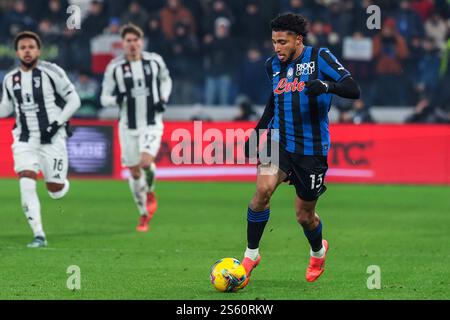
x=30 y=64
x=291 y=56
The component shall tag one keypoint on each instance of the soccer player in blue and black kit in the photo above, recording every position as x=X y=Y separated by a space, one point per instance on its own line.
x=303 y=80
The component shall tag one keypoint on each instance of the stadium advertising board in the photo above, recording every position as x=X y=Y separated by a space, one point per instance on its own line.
x=410 y=154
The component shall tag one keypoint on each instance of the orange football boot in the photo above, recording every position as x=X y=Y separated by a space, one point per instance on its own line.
x=143 y=223
x=249 y=265
x=316 y=265
x=152 y=204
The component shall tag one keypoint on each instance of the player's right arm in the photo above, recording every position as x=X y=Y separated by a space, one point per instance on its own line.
x=109 y=97
x=6 y=105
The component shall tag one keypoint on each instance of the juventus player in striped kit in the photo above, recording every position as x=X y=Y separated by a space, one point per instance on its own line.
x=39 y=135
x=139 y=83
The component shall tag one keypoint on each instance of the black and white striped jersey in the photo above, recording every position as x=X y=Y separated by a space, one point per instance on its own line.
x=33 y=94
x=142 y=84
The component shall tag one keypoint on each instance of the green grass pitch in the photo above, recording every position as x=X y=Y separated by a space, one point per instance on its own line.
x=402 y=229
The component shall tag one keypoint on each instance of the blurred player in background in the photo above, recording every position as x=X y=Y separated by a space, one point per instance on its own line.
x=303 y=81
x=32 y=90
x=139 y=83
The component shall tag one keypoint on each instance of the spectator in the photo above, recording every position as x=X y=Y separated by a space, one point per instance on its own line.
x=340 y=17
x=409 y=24
x=217 y=9
x=362 y=69
x=389 y=51
x=220 y=63
x=356 y=112
x=51 y=35
x=95 y=22
x=250 y=25
x=361 y=114
x=174 y=12
x=254 y=82
x=436 y=28
x=155 y=36
x=320 y=34
x=424 y=8
x=135 y=14
x=246 y=112
x=88 y=90
x=423 y=112
x=56 y=14
x=298 y=6
x=113 y=26
x=428 y=67
x=183 y=65
x=17 y=20
x=78 y=45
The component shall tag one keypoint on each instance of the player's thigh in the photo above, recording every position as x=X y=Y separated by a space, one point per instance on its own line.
x=308 y=176
x=269 y=177
x=26 y=157
x=54 y=161
x=129 y=146
x=149 y=144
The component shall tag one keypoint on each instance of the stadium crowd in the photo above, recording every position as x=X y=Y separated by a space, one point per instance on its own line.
x=216 y=49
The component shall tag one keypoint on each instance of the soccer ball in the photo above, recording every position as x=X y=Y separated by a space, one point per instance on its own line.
x=227 y=275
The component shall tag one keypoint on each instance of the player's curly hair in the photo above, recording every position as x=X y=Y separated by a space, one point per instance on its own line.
x=291 y=22
x=25 y=35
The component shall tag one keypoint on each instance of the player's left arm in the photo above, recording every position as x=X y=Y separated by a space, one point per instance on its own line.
x=6 y=105
x=66 y=90
x=341 y=82
x=165 y=84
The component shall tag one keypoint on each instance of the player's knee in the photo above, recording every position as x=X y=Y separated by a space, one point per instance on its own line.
x=135 y=172
x=146 y=165
x=147 y=161
x=305 y=217
x=57 y=191
x=263 y=195
x=28 y=174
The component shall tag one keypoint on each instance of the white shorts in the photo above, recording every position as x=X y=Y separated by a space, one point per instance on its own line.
x=51 y=159
x=135 y=142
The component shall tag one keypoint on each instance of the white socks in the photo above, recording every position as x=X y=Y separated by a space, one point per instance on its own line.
x=139 y=190
x=251 y=253
x=31 y=205
x=318 y=254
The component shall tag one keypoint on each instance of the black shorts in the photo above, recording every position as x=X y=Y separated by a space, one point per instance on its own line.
x=306 y=173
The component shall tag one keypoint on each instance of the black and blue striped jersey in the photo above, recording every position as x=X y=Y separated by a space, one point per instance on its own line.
x=302 y=120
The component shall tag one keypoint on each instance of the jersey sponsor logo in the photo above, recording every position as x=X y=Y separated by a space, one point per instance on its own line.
x=37 y=82
x=285 y=86
x=17 y=86
x=276 y=73
x=140 y=91
x=306 y=68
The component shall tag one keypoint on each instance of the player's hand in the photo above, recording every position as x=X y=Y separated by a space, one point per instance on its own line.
x=50 y=131
x=316 y=87
x=160 y=106
x=120 y=98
